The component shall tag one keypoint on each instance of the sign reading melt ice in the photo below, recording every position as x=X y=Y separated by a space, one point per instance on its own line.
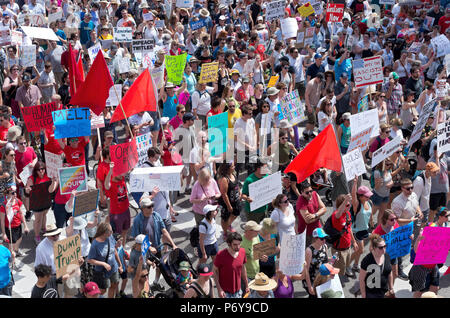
x=166 y=178
x=265 y=190
x=74 y=122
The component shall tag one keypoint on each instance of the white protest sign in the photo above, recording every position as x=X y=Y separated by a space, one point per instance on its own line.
x=249 y=67
x=441 y=45
x=185 y=3
x=368 y=71
x=160 y=24
x=52 y=17
x=147 y=16
x=364 y=120
x=16 y=37
x=318 y=7
x=113 y=99
x=37 y=20
x=93 y=51
x=353 y=164
x=443 y=137
x=5 y=36
x=390 y=2
x=40 y=33
x=124 y=65
x=292 y=254
x=360 y=140
x=97 y=121
x=123 y=34
x=441 y=88
x=264 y=190
x=447 y=64
x=386 y=151
x=427 y=109
x=166 y=178
x=158 y=76
x=275 y=10
x=289 y=28
x=143 y=45
x=143 y=143
x=334 y=285
x=53 y=162
x=26 y=173
x=28 y=56
x=300 y=37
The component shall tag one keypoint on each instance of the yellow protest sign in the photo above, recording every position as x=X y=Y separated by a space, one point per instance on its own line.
x=209 y=72
x=273 y=80
x=306 y=10
x=66 y=252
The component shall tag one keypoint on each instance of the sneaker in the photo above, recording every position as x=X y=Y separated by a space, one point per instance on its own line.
x=157 y=287
x=28 y=216
x=122 y=294
x=355 y=268
x=19 y=253
x=349 y=273
x=402 y=275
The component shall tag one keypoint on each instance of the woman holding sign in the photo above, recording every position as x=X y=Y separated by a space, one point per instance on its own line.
x=38 y=176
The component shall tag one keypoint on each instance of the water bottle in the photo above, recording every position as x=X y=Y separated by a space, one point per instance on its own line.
x=334 y=258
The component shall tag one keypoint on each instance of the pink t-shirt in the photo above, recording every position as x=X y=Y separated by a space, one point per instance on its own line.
x=376 y=144
x=201 y=192
x=175 y=122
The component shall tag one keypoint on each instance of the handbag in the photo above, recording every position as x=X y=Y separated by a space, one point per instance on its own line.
x=100 y=276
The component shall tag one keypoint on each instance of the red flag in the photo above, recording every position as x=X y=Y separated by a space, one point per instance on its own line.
x=140 y=97
x=321 y=152
x=75 y=76
x=80 y=69
x=94 y=92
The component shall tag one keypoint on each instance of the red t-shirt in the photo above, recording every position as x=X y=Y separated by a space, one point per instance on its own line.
x=346 y=239
x=379 y=230
x=3 y=134
x=65 y=58
x=118 y=197
x=312 y=207
x=75 y=156
x=52 y=145
x=230 y=270
x=102 y=172
x=24 y=158
x=444 y=23
x=17 y=218
x=40 y=180
x=61 y=198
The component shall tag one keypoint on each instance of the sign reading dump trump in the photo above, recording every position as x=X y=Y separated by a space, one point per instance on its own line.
x=166 y=178
x=66 y=252
x=74 y=122
x=265 y=190
x=368 y=71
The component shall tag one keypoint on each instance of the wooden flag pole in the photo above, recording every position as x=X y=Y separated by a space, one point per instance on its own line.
x=123 y=112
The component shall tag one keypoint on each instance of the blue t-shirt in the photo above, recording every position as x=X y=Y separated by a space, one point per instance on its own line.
x=170 y=107
x=85 y=30
x=5 y=273
x=62 y=35
x=99 y=250
x=346 y=66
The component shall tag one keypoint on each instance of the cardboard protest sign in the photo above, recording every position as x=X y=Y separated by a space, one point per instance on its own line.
x=335 y=12
x=85 y=202
x=28 y=56
x=364 y=120
x=368 y=71
x=273 y=80
x=26 y=173
x=124 y=156
x=441 y=45
x=143 y=144
x=94 y=50
x=292 y=253
x=443 y=137
x=433 y=249
x=386 y=151
x=292 y=109
x=265 y=190
x=40 y=198
x=209 y=72
x=72 y=122
x=175 y=67
x=289 y=28
x=72 y=178
x=97 y=121
x=218 y=133
x=66 y=252
x=167 y=178
x=398 y=241
x=353 y=164
x=333 y=284
x=275 y=10
x=158 y=76
x=52 y=162
x=115 y=95
x=185 y=3
x=306 y=10
x=195 y=25
x=123 y=34
x=40 y=33
x=143 y=45
x=39 y=116
x=426 y=111
x=360 y=140
x=264 y=248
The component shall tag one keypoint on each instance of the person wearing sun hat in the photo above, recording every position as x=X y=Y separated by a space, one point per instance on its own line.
x=262 y=286
x=202 y=287
x=44 y=251
x=249 y=239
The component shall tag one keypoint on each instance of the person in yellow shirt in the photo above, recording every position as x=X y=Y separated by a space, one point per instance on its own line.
x=234 y=114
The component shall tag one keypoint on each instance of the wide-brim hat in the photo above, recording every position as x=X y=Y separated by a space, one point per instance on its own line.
x=262 y=283
x=14 y=132
x=204 y=13
x=272 y=91
x=143 y=5
x=52 y=230
x=169 y=85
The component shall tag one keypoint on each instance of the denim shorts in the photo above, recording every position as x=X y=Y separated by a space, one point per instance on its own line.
x=211 y=250
x=237 y=294
x=377 y=200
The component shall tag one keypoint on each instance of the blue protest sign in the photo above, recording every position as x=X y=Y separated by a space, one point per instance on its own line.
x=217 y=133
x=72 y=122
x=398 y=241
x=195 y=25
x=145 y=246
x=363 y=104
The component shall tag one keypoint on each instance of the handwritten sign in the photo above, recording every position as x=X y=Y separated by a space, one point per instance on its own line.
x=441 y=88
x=433 y=249
x=353 y=164
x=368 y=71
x=364 y=120
x=144 y=45
x=292 y=253
x=40 y=198
x=289 y=28
x=52 y=17
x=360 y=140
x=93 y=51
x=40 y=33
x=26 y=173
x=85 y=202
x=66 y=252
x=335 y=12
x=306 y=10
x=72 y=178
x=28 y=56
x=123 y=34
x=415 y=47
x=273 y=80
x=52 y=162
x=166 y=178
x=157 y=74
x=97 y=121
x=275 y=10
x=39 y=116
x=363 y=104
x=427 y=110
x=143 y=144
x=115 y=95
x=443 y=137
x=72 y=122
x=175 y=67
x=5 y=36
x=265 y=190
x=291 y=108
x=441 y=45
x=398 y=241
x=147 y=16
x=209 y=72
x=124 y=65
x=264 y=248
x=124 y=156
x=386 y=151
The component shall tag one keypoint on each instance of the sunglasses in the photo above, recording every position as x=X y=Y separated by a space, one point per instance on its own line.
x=22 y=143
x=285 y=201
x=12 y=155
x=12 y=192
x=408 y=188
x=40 y=169
x=308 y=192
x=283 y=138
x=392 y=219
x=381 y=247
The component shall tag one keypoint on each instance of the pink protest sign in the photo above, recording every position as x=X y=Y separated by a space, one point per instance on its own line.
x=433 y=249
x=183 y=98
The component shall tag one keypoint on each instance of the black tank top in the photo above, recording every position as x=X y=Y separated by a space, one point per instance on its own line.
x=232 y=192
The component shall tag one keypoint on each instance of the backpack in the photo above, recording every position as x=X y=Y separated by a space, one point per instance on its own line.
x=352 y=212
x=194 y=235
x=334 y=235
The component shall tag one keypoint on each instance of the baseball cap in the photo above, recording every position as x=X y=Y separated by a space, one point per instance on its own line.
x=188 y=116
x=109 y=133
x=394 y=75
x=318 y=56
x=346 y=115
x=145 y=203
x=328 y=269
x=432 y=167
x=204 y=270
x=26 y=77
x=364 y=191
x=184 y=266
x=164 y=120
x=222 y=17
x=91 y=289
x=242 y=55
x=140 y=239
x=319 y=232
x=272 y=91
x=245 y=80
x=209 y=208
x=344 y=74
x=235 y=72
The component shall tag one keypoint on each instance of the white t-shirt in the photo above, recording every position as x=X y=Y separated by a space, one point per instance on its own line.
x=210 y=232
x=285 y=224
x=245 y=130
x=422 y=188
x=405 y=207
x=139 y=120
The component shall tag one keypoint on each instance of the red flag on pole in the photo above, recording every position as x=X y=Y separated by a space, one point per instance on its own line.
x=94 y=92
x=140 y=97
x=75 y=76
x=322 y=152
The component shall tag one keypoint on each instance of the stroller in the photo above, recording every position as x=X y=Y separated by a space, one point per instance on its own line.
x=168 y=265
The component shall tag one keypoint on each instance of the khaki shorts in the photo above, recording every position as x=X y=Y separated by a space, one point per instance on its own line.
x=344 y=259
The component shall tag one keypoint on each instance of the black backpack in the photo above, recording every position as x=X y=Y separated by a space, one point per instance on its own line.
x=333 y=234
x=194 y=235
